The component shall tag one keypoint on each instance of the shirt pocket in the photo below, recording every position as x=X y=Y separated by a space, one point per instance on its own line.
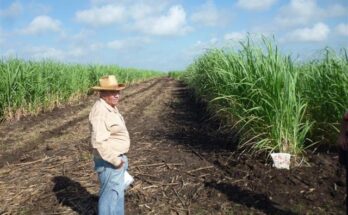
x=115 y=128
x=114 y=123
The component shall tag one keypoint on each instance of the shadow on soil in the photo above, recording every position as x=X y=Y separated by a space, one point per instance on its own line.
x=196 y=126
x=190 y=125
x=72 y=194
x=249 y=198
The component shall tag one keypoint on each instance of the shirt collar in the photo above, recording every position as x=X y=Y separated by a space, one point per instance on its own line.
x=108 y=106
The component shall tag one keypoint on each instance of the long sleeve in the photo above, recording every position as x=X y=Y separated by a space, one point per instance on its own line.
x=101 y=137
x=109 y=135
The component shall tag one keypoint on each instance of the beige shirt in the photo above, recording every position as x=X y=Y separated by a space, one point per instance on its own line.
x=109 y=134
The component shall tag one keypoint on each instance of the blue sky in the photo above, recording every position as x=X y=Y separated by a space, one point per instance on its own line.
x=164 y=35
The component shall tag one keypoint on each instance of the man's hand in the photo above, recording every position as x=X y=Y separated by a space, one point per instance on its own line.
x=121 y=165
x=343 y=138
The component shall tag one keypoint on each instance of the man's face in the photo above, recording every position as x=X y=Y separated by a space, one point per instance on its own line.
x=110 y=97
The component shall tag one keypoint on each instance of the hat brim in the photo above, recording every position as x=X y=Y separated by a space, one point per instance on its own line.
x=112 y=88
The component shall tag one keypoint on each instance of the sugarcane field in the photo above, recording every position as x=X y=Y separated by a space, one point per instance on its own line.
x=173 y=107
x=181 y=162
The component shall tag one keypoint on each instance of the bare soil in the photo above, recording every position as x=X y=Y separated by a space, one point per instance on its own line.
x=181 y=161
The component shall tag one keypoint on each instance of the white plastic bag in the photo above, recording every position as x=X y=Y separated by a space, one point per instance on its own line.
x=281 y=160
x=128 y=180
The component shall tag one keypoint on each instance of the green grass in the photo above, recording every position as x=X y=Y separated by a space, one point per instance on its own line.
x=28 y=87
x=279 y=105
x=176 y=74
x=325 y=89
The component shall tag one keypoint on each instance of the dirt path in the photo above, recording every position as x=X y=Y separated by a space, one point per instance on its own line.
x=181 y=164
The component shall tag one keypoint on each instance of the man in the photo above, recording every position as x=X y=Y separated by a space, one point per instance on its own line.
x=343 y=151
x=110 y=141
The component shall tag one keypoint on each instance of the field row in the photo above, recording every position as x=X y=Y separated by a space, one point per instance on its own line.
x=29 y=87
x=277 y=103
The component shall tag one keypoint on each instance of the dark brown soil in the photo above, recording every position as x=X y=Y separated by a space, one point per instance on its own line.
x=182 y=162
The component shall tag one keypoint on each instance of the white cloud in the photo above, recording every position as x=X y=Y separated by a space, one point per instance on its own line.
x=318 y=33
x=10 y=53
x=255 y=37
x=235 y=36
x=14 y=10
x=297 y=12
x=96 y=46
x=42 y=24
x=116 y=44
x=148 y=17
x=76 y=52
x=173 y=23
x=335 y=11
x=83 y=36
x=84 y=49
x=200 y=46
x=105 y=15
x=142 y=10
x=255 y=4
x=128 y=43
x=213 y=40
x=209 y=15
x=45 y=53
x=342 y=29
x=301 y=12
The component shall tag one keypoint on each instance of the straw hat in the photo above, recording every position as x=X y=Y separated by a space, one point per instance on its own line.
x=109 y=83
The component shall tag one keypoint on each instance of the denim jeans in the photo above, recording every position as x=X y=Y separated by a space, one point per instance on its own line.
x=111 y=193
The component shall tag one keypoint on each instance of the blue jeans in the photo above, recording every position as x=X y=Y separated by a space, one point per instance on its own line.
x=111 y=193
